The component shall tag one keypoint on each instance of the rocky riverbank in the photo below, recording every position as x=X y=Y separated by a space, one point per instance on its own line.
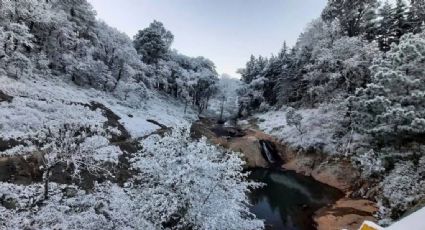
x=346 y=213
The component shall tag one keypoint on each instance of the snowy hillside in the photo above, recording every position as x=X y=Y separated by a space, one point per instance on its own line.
x=94 y=128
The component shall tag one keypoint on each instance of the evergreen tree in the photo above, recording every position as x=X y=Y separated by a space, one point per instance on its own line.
x=371 y=24
x=392 y=107
x=352 y=14
x=399 y=20
x=249 y=72
x=153 y=43
x=416 y=16
x=386 y=25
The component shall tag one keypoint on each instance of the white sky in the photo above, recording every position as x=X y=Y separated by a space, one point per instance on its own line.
x=225 y=31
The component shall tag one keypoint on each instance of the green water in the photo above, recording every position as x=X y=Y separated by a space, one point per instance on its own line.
x=289 y=200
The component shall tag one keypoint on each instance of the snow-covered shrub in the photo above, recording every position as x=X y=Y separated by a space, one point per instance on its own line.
x=370 y=163
x=106 y=207
x=401 y=189
x=319 y=127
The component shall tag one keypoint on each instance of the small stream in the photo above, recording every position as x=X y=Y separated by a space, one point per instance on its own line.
x=289 y=200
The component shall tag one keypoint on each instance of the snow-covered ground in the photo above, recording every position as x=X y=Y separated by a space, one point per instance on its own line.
x=39 y=103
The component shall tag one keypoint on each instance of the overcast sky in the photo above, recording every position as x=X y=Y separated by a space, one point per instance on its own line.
x=225 y=31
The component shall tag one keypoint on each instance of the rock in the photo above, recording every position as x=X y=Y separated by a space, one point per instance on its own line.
x=9 y=202
x=333 y=171
x=20 y=170
x=199 y=130
x=345 y=214
x=5 y=97
x=246 y=142
x=249 y=146
x=338 y=174
x=9 y=144
x=70 y=192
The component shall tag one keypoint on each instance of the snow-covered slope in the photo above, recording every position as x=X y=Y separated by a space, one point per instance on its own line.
x=41 y=103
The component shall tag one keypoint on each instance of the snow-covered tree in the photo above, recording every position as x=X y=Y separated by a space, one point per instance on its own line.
x=154 y=42
x=180 y=184
x=294 y=119
x=351 y=14
x=400 y=20
x=253 y=69
x=391 y=107
x=416 y=16
x=191 y=184
x=75 y=147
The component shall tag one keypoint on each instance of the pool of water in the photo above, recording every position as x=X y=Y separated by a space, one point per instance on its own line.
x=289 y=200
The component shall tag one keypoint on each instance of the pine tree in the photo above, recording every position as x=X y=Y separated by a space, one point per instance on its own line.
x=153 y=42
x=351 y=14
x=391 y=107
x=248 y=73
x=399 y=18
x=416 y=16
x=371 y=24
x=385 y=34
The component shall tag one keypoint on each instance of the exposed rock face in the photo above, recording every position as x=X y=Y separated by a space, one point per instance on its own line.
x=345 y=214
x=250 y=147
x=336 y=172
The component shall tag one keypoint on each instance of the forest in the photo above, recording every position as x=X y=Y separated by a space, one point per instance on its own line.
x=95 y=125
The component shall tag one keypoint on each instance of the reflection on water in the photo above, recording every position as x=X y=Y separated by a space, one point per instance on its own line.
x=288 y=200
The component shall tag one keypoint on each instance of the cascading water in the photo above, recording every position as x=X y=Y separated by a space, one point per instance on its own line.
x=269 y=152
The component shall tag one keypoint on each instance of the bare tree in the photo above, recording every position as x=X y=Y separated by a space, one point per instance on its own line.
x=67 y=146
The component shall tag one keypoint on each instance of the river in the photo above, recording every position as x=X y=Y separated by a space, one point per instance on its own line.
x=289 y=200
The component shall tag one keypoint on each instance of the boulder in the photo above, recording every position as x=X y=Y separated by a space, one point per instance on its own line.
x=9 y=202
x=5 y=97
x=249 y=146
x=345 y=214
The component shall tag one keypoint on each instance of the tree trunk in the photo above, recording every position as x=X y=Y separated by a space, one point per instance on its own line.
x=46 y=176
x=222 y=109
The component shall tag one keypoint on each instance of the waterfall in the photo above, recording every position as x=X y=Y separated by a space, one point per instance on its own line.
x=269 y=152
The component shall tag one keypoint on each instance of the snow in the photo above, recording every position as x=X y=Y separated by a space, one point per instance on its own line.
x=41 y=103
x=317 y=127
x=162 y=110
x=414 y=221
